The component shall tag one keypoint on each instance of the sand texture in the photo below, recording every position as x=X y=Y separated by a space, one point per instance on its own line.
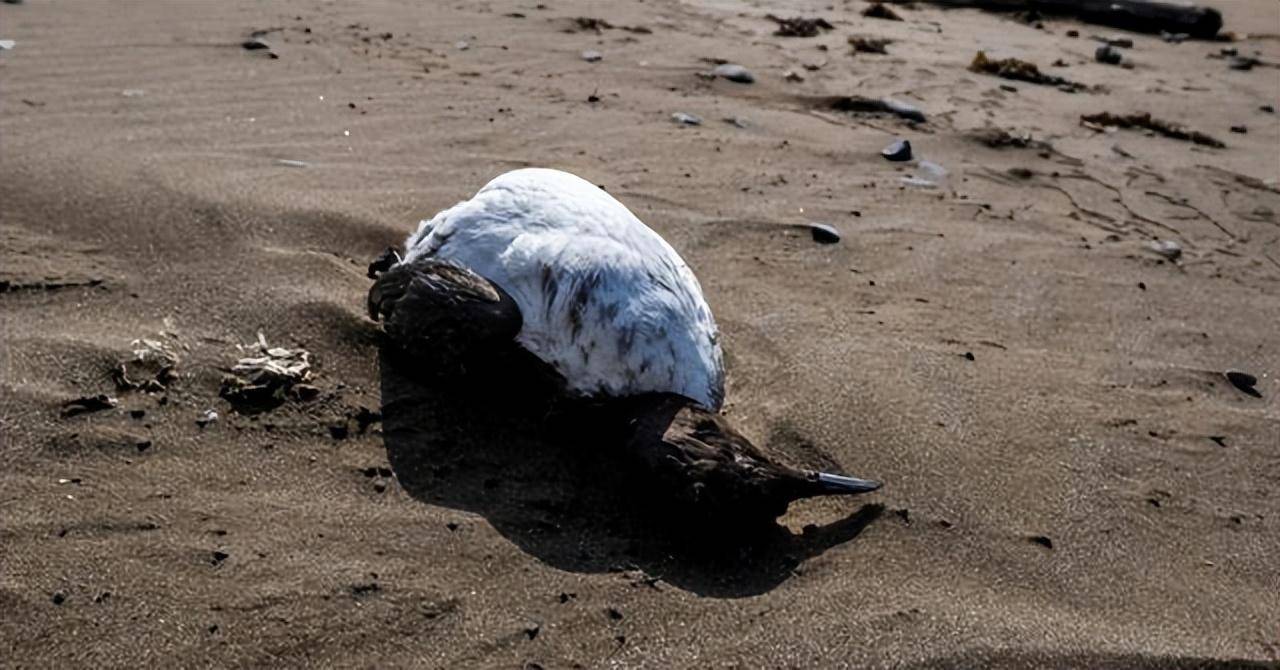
x=1070 y=478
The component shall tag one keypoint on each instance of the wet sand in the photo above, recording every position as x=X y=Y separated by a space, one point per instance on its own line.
x=1070 y=479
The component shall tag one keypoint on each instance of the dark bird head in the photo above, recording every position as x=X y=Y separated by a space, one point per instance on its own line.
x=700 y=462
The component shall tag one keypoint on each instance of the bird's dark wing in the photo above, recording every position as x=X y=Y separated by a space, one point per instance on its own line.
x=440 y=309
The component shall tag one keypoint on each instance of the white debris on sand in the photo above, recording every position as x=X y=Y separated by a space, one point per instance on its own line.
x=278 y=364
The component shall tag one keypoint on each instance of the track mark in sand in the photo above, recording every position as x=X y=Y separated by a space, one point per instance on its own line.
x=96 y=527
x=30 y=261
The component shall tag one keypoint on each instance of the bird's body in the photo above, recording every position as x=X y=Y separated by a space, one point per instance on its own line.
x=604 y=299
x=554 y=264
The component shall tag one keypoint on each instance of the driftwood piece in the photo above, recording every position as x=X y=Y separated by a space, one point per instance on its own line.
x=1145 y=16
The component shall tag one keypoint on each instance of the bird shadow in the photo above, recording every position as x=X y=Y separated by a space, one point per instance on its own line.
x=496 y=437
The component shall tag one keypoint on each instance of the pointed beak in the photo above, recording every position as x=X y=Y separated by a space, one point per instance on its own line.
x=840 y=484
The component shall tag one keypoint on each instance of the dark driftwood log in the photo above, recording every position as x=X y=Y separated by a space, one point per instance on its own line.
x=1147 y=16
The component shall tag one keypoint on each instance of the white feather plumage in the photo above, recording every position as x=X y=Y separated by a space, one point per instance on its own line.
x=605 y=300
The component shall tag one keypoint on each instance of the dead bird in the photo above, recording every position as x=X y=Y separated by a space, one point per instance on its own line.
x=553 y=263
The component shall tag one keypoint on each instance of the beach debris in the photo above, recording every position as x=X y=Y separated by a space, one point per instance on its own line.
x=929 y=175
x=286 y=162
x=597 y=26
x=1269 y=109
x=133 y=93
x=592 y=56
x=462 y=45
x=799 y=26
x=1020 y=70
x=823 y=233
x=6 y=45
x=869 y=45
x=1173 y=38
x=897 y=152
x=734 y=73
x=1145 y=121
x=857 y=103
x=255 y=44
x=997 y=138
x=1107 y=54
x=1245 y=382
x=58 y=598
x=150 y=357
x=686 y=119
x=1167 y=248
x=260 y=381
x=87 y=404
x=736 y=121
x=792 y=75
x=878 y=10
x=207 y=417
x=1143 y=16
x=1241 y=130
x=589 y=23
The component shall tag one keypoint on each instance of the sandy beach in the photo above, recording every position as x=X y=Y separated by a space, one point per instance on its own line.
x=1028 y=346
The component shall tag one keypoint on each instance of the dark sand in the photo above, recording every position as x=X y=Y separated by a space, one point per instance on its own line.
x=1087 y=415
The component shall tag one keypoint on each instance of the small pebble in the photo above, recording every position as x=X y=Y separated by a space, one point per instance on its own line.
x=686 y=119
x=1245 y=382
x=1167 y=248
x=735 y=73
x=592 y=56
x=58 y=597
x=823 y=233
x=462 y=45
x=897 y=152
x=207 y=418
x=1268 y=109
x=1239 y=129
x=254 y=44
x=1107 y=54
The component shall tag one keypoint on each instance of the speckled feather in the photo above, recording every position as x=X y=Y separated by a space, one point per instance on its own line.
x=604 y=299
